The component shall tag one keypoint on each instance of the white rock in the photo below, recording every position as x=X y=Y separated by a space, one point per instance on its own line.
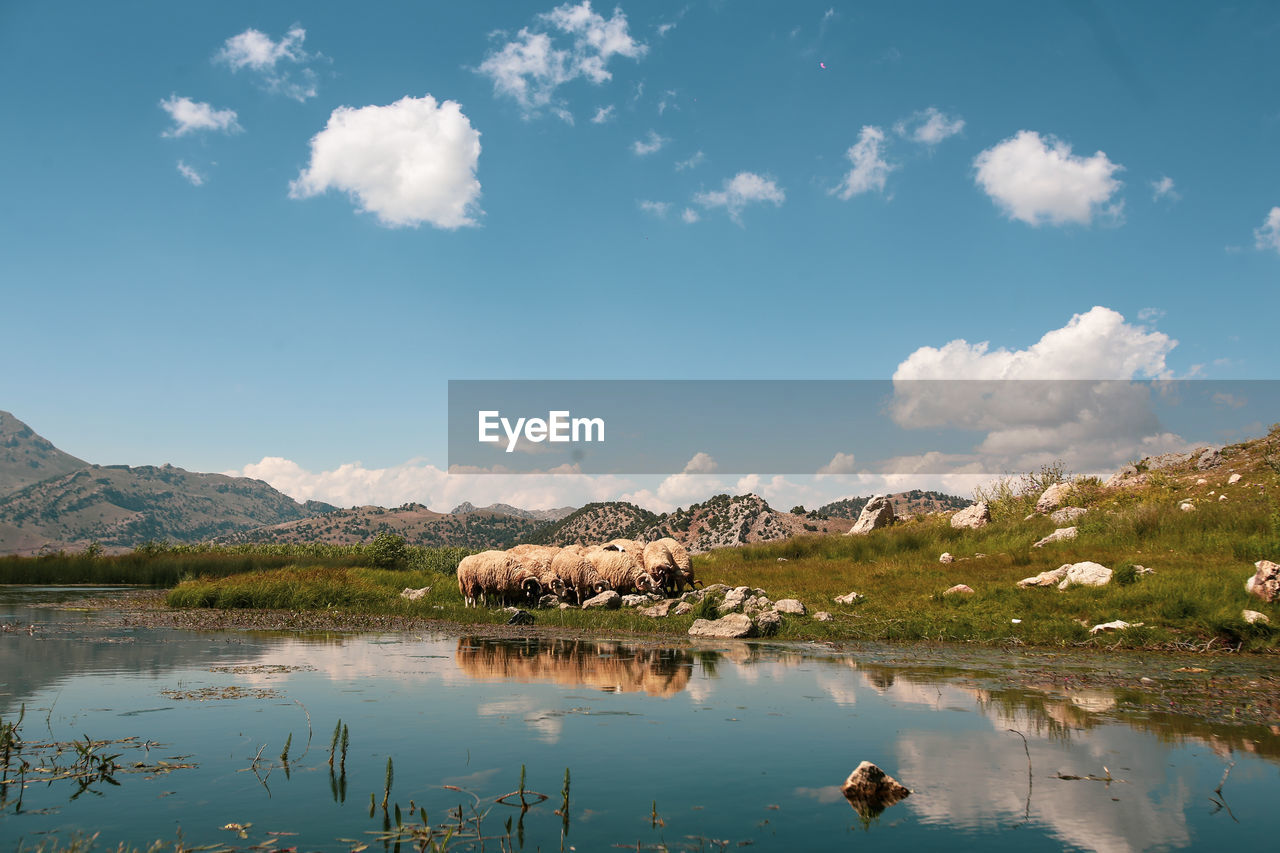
x=415 y=594
x=1265 y=583
x=1221 y=498
x=682 y=608
x=1202 y=482
x=1053 y=497
x=1233 y=479
x=659 y=610
x=1210 y=458
x=1086 y=574
x=972 y=517
x=876 y=514
x=959 y=589
x=733 y=626
x=1049 y=578
x=1118 y=625
x=946 y=558
x=734 y=599
x=609 y=600
x=1067 y=514
x=850 y=598
x=768 y=622
x=1253 y=617
x=1187 y=506
x=635 y=600
x=1062 y=534
x=823 y=616
x=790 y=605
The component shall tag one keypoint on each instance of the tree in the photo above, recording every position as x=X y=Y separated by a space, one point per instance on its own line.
x=387 y=551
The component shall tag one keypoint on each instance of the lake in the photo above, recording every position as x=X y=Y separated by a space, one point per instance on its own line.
x=705 y=746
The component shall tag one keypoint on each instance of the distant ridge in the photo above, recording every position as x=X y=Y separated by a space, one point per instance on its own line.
x=514 y=511
x=27 y=457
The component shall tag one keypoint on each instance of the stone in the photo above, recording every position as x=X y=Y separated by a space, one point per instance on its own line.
x=549 y=601
x=1210 y=458
x=1265 y=583
x=712 y=589
x=1169 y=460
x=609 y=600
x=1105 y=627
x=756 y=603
x=1062 y=534
x=959 y=589
x=682 y=608
x=972 y=517
x=790 y=605
x=849 y=598
x=415 y=594
x=1253 y=617
x=734 y=599
x=659 y=610
x=635 y=600
x=1233 y=479
x=870 y=790
x=1053 y=497
x=1202 y=482
x=1049 y=578
x=1187 y=506
x=1143 y=570
x=876 y=514
x=733 y=626
x=521 y=617
x=768 y=622
x=824 y=616
x=1085 y=574
x=946 y=558
x=1221 y=498
x=564 y=605
x=1067 y=514
x=783 y=560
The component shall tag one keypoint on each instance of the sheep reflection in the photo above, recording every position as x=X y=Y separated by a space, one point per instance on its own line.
x=610 y=667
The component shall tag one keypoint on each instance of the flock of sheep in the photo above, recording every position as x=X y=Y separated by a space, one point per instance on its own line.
x=525 y=573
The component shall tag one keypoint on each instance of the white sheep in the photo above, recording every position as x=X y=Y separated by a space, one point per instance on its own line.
x=538 y=559
x=622 y=570
x=683 y=573
x=578 y=574
x=497 y=574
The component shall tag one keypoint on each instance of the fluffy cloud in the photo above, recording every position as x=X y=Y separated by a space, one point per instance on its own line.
x=1267 y=236
x=841 y=463
x=692 y=162
x=690 y=216
x=652 y=143
x=532 y=66
x=742 y=189
x=1163 y=188
x=657 y=208
x=929 y=127
x=603 y=114
x=407 y=163
x=1039 y=180
x=190 y=116
x=193 y=177
x=870 y=169
x=257 y=52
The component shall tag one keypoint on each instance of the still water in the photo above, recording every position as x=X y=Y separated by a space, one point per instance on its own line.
x=685 y=747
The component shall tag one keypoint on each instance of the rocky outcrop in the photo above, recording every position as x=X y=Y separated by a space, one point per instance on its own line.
x=1053 y=497
x=1209 y=458
x=768 y=622
x=973 y=517
x=876 y=514
x=733 y=626
x=1265 y=583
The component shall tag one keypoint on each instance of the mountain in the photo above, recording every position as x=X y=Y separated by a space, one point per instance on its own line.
x=26 y=457
x=597 y=522
x=477 y=528
x=914 y=502
x=121 y=507
x=514 y=511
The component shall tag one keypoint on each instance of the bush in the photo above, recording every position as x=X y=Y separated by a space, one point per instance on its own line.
x=387 y=551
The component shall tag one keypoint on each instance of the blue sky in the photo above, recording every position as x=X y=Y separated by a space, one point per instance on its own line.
x=976 y=172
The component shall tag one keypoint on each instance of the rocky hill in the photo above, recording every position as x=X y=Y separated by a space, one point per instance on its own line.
x=514 y=511
x=479 y=529
x=26 y=457
x=914 y=502
x=121 y=507
x=597 y=522
x=725 y=521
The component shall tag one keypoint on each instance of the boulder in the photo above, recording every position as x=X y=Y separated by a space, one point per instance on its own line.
x=733 y=626
x=756 y=603
x=1253 y=617
x=1062 y=534
x=972 y=517
x=609 y=600
x=1187 y=506
x=681 y=609
x=790 y=605
x=1265 y=583
x=549 y=600
x=1202 y=482
x=870 y=790
x=734 y=599
x=1053 y=497
x=1049 y=578
x=415 y=594
x=946 y=558
x=1210 y=458
x=1233 y=479
x=711 y=589
x=1085 y=574
x=1221 y=498
x=521 y=617
x=636 y=600
x=1067 y=514
x=768 y=622
x=1169 y=460
x=849 y=598
x=824 y=616
x=959 y=589
x=659 y=610
x=876 y=514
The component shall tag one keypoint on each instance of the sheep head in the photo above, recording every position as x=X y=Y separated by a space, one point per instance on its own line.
x=532 y=588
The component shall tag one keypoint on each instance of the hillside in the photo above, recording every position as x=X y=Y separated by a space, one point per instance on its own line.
x=914 y=502
x=597 y=522
x=121 y=507
x=27 y=457
x=479 y=529
x=514 y=511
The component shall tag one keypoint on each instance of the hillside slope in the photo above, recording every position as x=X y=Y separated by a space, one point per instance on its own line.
x=27 y=457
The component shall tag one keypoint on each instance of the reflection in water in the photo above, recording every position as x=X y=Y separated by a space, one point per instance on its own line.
x=607 y=666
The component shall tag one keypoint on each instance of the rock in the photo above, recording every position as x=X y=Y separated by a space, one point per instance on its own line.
x=1265 y=583
x=1210 y=458
x=1053 y=497
x=1067 y=514
x=756 y=603
x=415 y=594
x=1143 y=570
x=1049 y=578
x=850 y=598
x=733 y=626
x=824 y=616
x=681 y=609
x=635 y=600
x=1233 y=479
x=1187 y=506
x=946 y=558
x=959 y=589
x=1168 y=460
x=521 y=617
x=734 y=599
x=1221 y=498
x=768 y=622
x=790 y=605
x=549 y=601
x=972 y=517
x=1085 y=574
x=1202 y=482
x=870 y=790
x=659 y=610
x=1118 y=625
x=564 y=605
x=1253 y=617
x=1062 y=534
x=609 y=600
x=782 y=560
x=712 y=589
x=876 y=514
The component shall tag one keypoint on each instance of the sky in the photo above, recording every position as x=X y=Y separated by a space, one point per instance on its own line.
x=262 y=238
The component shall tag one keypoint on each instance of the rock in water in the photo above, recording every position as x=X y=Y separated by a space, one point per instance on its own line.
x=870 y=790
x=876 y=514
x=733 y=626
x=972 y=517
x=1265 y=583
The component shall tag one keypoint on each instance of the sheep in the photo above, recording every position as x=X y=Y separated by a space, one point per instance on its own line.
x=499 y=574
x=683 y=573
x=469 y=571
x=659 y=563
x=537 y=559
x=578 y=574
x=622 y=570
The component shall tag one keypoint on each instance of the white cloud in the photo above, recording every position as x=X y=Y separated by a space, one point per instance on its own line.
x=603 y=114
x=1163 y=188
x=190 y=116
x=657 y=208
x=870 y=169
x=650 y=144
x=667 y=101
x=531 y=67
x=701 y=463
x=410 y=162
x=841 y=463
x=692 y=162
x=1038 y=180
x=1267 y=236
x=193 y=177
x=929 y=127
x=257 y=52
x=1150 y=315
x=742 y=189
x=690 y=216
